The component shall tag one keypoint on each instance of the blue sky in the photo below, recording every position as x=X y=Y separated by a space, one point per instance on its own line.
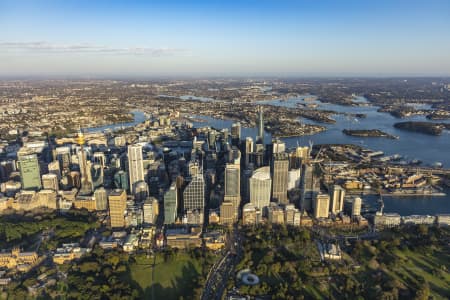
x=283 y=38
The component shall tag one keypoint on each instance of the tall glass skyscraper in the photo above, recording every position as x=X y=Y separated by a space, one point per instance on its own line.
x=135 y=165
x=280 y=169
x=260 y=187
x=170 y=204
x=194 y=193
x=29 y=171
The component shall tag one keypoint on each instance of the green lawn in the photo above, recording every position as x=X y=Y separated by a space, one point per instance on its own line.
x=172 y=279
x=418 y=263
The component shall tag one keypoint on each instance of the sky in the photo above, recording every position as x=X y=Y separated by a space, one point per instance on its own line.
x=224 y=38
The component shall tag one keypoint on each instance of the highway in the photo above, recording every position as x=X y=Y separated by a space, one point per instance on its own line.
x=222 y=270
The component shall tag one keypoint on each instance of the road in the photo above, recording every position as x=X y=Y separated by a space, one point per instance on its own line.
x=222 y=270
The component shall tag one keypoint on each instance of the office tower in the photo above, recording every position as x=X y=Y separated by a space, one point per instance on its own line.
x=29 y=171
x=135 y=166
x=321 y=205
x=72 y=179
x=170 y=204
x=260 y=187
x=6 y=168
x=141 y=191
x=260 y=121
x=85 y=168
x=337 y=199
x=194 y=194
x=299 y=156
x=121 y=180
x=62 y=154
x=234 y=156
x=278 y=146
x=99 y=159
x=280 y=168
x=293 y=179
x=245 y=187
x=50 y=182
x=232 y=180
x=356 y=206
x=227 y=213
x=275 y=214
x=193 y=168
x=233 y=187
x=117 y=201
x=248 y=149
x=225 y=135
x=101 y=199
x=97 y=175
x=309 y=187
x=257 y=159
x=236 y=134
x=53 y=168
x=212 y=139
x=236 y=130
x=116 y=161
x=151 y=210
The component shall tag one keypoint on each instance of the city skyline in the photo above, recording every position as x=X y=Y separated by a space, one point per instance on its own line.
x=263 y=38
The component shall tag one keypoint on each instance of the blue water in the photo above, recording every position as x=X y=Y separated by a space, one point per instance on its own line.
x=411 y=145
x=414 y=145
x=139 y=117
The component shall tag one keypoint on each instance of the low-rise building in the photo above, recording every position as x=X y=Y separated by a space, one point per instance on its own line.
x=17 y=259
x=214 y=240
x=387 y=220
x=419 y=219
x=69 y=252
x=182 y=238
x=443 y=220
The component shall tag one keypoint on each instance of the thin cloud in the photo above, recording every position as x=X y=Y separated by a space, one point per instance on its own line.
x=46 y=47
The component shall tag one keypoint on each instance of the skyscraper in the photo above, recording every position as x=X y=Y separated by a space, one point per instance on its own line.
x=135 y=166
x=260 y=187
x=101 y=199
x=280 y=168
x=170 y=204
x=117 y=204
x=278 y=146
x=85 y=167
x=235 y=133
x=309 y=187
x=356 y=206
x=260 y=138
x=29 y=171
x=233 y=187
x=248 y=150
x=321 y=204
x=337 y=199
x=121 y=180
x=194 y=194
x=227 y=213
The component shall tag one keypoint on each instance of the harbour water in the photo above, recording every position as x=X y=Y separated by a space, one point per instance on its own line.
x=410 y=145
x=139 y=117
x=414 y=145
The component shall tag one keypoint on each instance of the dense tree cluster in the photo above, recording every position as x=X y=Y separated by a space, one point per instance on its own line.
x=404 y=263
